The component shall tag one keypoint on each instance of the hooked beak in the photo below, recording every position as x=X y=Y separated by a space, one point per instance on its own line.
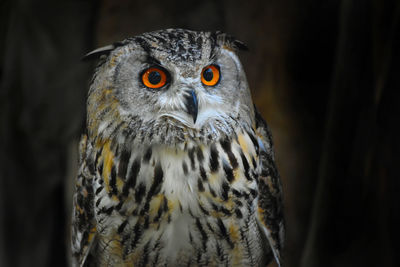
x=191 y=104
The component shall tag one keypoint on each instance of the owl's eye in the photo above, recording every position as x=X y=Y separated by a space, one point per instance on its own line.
x=210 y=75
x=154 y=78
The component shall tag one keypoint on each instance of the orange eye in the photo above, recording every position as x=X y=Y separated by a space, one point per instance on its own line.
x=154 y=78
x=210 y=75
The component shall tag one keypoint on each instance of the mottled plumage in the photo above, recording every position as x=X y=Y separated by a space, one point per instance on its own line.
x=182 y=175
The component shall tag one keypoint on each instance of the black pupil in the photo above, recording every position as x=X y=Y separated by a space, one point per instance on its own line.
x=208 y=74
x=154 y=77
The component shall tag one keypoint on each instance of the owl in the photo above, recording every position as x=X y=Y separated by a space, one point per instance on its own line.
x=176 y=165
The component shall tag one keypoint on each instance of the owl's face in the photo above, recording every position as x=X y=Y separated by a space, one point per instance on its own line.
x=171 y=79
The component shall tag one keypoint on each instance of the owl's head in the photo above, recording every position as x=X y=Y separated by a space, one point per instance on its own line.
x=169 y=85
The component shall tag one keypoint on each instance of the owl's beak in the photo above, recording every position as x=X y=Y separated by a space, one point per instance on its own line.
x=191 y=104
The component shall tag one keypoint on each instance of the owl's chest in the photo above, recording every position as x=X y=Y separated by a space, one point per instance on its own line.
x=171 y=203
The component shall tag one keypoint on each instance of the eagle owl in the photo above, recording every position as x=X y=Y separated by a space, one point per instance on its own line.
x=176 y=166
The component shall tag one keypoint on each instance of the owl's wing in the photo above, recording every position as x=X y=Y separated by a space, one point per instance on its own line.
x=83 y=232
x=270 y=206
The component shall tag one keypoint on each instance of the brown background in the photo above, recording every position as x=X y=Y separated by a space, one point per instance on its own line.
x=323 y=73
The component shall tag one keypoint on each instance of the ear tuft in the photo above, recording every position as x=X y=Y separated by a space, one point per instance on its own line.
x=224 y=39
x=240 y=45
x=97 y=53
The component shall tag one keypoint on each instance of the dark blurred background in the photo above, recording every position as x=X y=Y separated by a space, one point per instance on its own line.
x=325 y=75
